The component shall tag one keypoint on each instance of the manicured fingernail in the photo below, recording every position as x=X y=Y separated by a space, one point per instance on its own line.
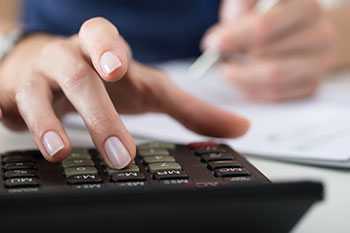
x=117 y=154
x=52 y=143
x=109 y=63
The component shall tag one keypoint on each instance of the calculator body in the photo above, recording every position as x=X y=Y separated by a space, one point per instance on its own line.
x=201 y=194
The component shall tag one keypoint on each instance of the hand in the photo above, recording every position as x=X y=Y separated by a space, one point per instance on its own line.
x=46 y=77
x=286 y=51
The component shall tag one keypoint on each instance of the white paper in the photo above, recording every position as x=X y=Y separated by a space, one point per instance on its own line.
x=315 y=130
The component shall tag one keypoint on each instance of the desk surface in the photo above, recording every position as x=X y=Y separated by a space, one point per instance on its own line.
x=333 y=215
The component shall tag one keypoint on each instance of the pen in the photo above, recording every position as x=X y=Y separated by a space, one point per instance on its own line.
x=210 y=56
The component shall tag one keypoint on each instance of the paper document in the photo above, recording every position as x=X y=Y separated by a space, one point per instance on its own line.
x=313 y=131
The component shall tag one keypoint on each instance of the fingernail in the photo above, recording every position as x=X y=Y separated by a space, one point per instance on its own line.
x=0 y=114
x=109 y=62
x=52 y=143
x=117 y=154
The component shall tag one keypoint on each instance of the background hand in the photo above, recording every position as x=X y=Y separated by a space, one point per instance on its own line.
x=289 y=48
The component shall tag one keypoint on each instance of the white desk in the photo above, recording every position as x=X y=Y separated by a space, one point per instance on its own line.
x=333 y=215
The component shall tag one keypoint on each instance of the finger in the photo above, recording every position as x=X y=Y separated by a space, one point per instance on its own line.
x=256 y=30
x=292 y=93
x=193 y=113
x=313 y=39
x=86 y=92
x=232 y=10
x=278 y=72
x=102 y=43
x=34 y=103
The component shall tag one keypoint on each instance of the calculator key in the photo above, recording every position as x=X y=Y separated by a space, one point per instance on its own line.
x=223 y=164
x=170 y=174
x=20 y=173
x=78 y=163
x=75 y=155
x=128 y=176
x=232 y=171
x=153 y=167
x=158 y=159
x=130 y=168
x=209 y=150
x=14 y=158
x=84 y=179
x=158 y=145
x=152 y=152
x=19 y=166
x=200 y=145
x=21 y=182
x=73 y=171
x=216 y=157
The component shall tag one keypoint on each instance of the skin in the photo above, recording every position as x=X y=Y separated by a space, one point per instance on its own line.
x=287 y=52
x=45 y=77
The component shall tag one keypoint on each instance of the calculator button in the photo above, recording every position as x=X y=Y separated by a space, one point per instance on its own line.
x=130 y=168
x=200 y=145
x=128 y=176
x=158 y=145
x=232 y=171
x=152 y=152
x=209 y=150
x=21 y=182
x=73 y=171
x=153 y=167
x=158 y=159
x=78 y=163
x=84 y=179
x=170 y=174
x=75 y=155
x=19 y=166
x=20 y=173
x=216 y=157
x=223 y=164
x=14 y=158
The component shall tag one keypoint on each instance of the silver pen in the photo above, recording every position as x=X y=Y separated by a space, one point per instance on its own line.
x=210 y=56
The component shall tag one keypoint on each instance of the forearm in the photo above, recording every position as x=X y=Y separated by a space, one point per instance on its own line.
x=340 y=17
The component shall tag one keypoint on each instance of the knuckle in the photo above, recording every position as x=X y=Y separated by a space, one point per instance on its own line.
x=52 y=48
x=76 y=75
x=93 y=24
x=100 y=123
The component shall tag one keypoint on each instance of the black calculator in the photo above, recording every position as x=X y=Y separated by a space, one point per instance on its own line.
x=204 y=186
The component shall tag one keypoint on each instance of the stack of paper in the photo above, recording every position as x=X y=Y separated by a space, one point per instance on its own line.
x=313 y=131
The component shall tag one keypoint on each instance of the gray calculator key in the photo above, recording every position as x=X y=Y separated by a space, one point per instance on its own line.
x=75 y=155
x=158 y=145
x=130 y=168
x=73 y=171
x=152 y=152
x=78 y=163
x=153 y=167
x=159 y=159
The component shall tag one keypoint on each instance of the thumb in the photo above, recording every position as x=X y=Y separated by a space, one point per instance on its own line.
x=233 y=9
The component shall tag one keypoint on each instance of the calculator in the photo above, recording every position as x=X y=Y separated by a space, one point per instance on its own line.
x=203 y=186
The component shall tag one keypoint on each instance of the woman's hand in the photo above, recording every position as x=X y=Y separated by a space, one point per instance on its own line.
x=287 y=50
x=46 y=77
